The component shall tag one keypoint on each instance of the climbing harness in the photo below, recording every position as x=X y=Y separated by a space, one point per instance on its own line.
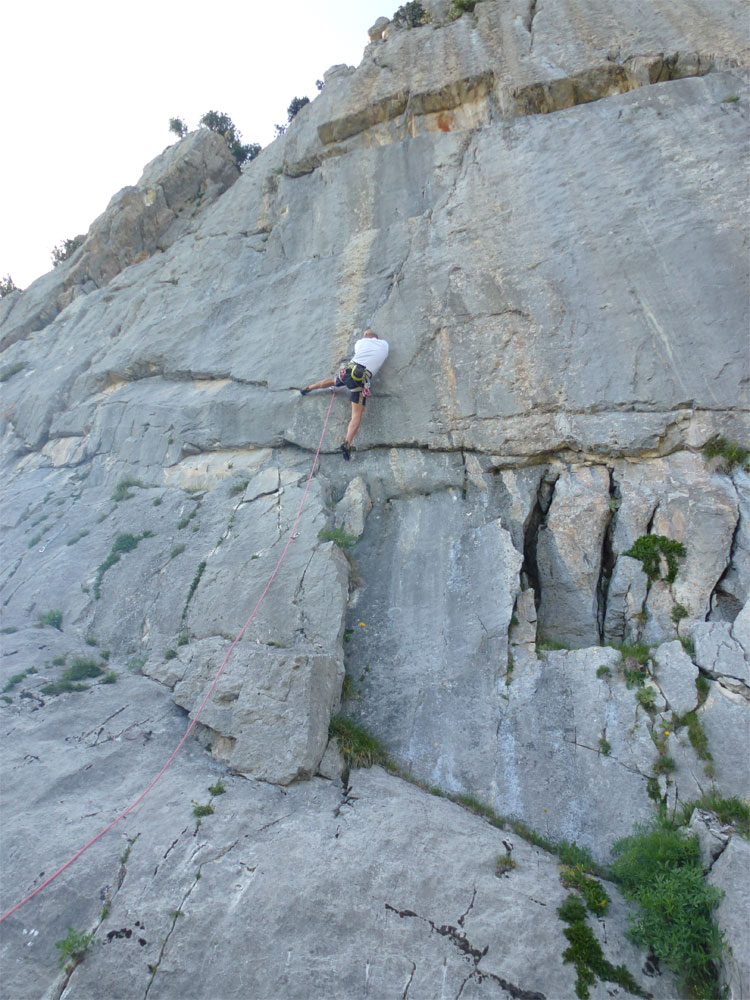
x=356 y=373
x=292 y=535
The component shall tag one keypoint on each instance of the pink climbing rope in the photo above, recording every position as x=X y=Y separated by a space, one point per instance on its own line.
x=202 y=705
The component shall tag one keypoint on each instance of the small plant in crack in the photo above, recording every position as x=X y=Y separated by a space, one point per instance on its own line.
x=122 y=544
x=729 y=811
x=73 y=947
x=53 y=619
x=688 y=645
x=358 y=747
x=664 y=764
x=194 y=585
x=651 y=549
x=646 y=698
x=126 y=853
x=605 y=747
x=730 y=452
x=504 y=864
x=199 y=811
x=348 y=688
x=17 y=678
x=603 y=672
x=217 y=789
x=122 y=490
x=338 y=536
x=585 y=953
x=574 y=877
x=678 y=612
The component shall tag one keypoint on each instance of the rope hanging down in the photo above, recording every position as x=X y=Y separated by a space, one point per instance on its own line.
x=202 y=705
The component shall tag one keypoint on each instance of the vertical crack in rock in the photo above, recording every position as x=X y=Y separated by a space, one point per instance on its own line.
x=537 y=518
x=724 y=606
x=530 y=22
x=469 y=908
x=472 y=954
x=405 y=994
x=608 y=557
x=177 y=913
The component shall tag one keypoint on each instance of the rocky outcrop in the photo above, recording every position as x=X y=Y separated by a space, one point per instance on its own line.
x=138 y=222
x=523 y=201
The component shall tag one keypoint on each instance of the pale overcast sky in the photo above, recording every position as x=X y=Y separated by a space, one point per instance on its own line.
x=89 y=87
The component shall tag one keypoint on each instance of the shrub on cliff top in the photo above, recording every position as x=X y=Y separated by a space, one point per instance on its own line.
x=224 y=126
x=66 y=249
x=7 y=285
x=411 y=15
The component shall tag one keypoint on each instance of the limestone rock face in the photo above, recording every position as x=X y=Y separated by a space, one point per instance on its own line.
x=523 y=201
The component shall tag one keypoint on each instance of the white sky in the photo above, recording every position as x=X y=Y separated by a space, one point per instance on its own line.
x=89 y=87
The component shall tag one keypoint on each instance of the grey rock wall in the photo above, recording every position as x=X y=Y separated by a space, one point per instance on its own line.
x=542 y=207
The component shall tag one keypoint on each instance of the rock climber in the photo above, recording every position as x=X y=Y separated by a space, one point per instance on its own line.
x=369 y=354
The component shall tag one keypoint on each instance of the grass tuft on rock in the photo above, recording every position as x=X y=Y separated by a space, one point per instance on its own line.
x=731 y=452
x=358 y=747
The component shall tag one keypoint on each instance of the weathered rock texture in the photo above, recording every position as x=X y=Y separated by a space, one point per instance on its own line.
x=542 y=207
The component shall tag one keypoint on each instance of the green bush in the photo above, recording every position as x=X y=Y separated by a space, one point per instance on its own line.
x=224 y=126
x=411 y=15
x=66 y=249
x=678 y=612
x=82 y=669
x=649 y=549
x=459 y=7
x=296 y=105
x=7 y=285
x=337 y=535
x=52 y=618
x=178 y=127
x=659 y=868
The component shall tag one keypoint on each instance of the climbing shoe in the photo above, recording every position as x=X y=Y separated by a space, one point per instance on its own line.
x=304 y=392
x=346 y=451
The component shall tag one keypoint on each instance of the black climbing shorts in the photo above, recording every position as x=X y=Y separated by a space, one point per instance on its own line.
x=356 y=387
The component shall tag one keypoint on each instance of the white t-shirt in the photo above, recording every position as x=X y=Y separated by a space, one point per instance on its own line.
x=370 y=352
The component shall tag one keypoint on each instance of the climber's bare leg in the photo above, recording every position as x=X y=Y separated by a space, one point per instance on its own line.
x=325 y=383
x=357 y=410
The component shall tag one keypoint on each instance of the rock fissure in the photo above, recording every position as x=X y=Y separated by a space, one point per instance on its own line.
x=405 y=994
x=154 y=968
x=608 y=556
x=474 y=955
